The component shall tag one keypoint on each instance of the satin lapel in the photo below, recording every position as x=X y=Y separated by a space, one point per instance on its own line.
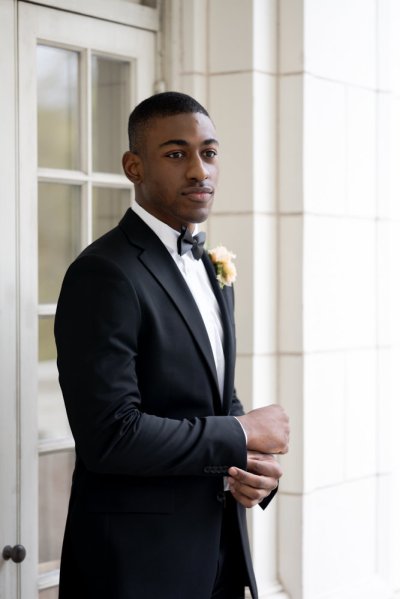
x=229 y=337
x=156 y=258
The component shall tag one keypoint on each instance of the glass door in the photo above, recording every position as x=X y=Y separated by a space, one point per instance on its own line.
x=80 y=79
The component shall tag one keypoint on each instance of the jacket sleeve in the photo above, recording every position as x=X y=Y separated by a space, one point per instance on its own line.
x=97 y=330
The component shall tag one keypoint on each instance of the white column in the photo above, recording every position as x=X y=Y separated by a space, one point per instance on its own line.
x=339 y=142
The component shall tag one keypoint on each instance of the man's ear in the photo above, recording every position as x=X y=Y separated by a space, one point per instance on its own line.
x=133 y=167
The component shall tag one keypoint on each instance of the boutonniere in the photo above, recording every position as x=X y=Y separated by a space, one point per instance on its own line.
x=223 y=264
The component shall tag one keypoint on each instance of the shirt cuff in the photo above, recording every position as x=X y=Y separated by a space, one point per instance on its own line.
x=244 y=432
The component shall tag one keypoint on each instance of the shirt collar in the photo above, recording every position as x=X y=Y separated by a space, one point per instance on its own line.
x=166 y=234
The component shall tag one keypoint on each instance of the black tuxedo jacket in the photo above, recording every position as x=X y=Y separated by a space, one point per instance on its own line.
x=153 y=439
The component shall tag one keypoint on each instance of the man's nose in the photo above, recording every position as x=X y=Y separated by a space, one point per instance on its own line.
x=197 y=169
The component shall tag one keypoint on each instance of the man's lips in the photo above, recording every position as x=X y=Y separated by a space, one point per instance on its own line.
x=199 y=193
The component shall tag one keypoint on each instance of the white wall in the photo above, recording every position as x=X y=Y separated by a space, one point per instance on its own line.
x=305 y=96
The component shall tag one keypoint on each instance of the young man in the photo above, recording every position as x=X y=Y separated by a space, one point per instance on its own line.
x=146 y=354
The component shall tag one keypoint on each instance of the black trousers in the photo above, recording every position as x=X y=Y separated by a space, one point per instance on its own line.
x=231 y=574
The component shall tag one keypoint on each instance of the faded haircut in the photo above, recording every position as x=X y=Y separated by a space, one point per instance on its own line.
x=159 y=105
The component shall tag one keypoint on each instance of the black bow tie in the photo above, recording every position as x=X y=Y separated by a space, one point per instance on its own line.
x=187 y=241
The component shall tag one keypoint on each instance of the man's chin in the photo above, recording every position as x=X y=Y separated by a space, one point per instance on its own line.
x=198 y=217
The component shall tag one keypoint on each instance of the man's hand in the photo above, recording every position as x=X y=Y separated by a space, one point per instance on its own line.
x=267 y=429
x=251 y=487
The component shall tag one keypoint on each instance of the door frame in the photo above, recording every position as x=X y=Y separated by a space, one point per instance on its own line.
x=9 y=326
x=21 y=21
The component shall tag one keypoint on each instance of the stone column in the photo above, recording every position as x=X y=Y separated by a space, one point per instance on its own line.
x=339 y=209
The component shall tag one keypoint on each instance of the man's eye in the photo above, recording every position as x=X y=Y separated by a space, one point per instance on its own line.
x=210 y=153
x=177 y=154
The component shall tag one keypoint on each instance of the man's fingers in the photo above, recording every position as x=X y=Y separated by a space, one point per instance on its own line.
x=252 y=480
x=250 y=496
x=257 y=455
x=251 y=485
x=247 y=501
x=265 y=485
x=265 y=467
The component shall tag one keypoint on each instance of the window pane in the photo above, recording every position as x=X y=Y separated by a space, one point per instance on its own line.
x=110 y=106
x=58 y=107
x=59 y=235
x=55 y=473
x=109 y=205
x=52 y=418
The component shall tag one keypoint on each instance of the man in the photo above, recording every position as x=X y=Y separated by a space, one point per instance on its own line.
x=146 y=355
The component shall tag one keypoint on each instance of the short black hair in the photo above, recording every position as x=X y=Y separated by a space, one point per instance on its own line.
x=160 y=105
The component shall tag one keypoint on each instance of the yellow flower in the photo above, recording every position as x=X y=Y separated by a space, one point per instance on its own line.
x=223 y=264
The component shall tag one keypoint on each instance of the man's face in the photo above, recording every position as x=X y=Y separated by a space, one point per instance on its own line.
x=176 y=168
